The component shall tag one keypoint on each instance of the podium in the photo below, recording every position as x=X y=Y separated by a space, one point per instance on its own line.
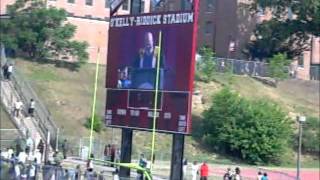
x=145 y=78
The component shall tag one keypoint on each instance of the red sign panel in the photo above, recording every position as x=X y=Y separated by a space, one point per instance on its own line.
x=134 y=52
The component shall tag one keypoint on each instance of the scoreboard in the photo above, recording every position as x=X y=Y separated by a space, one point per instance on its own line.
x=134 y=51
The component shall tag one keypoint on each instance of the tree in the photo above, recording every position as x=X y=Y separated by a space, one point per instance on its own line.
x=41 y=32
x=293 y=22
x=206 y=66
x=310 y=136
x=256 y=131
x=278 y=66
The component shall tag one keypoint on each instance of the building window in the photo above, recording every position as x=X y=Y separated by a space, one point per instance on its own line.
x=209 y=5
x=301 y=61
x=142 y=7
x=89 y=2
x=125 y=5
x=208 y=27
x=106 y=3
x=71 y=1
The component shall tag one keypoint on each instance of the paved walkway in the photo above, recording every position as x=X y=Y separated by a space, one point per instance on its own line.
x=25 y=124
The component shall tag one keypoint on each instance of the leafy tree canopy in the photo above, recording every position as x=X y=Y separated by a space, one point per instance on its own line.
x=293 y=22
x=41 y=32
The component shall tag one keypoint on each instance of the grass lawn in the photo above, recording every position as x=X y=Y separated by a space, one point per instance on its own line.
x=68 y=95
x=5 y=122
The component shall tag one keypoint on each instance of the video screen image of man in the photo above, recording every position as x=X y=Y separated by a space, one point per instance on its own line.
x=144 y=66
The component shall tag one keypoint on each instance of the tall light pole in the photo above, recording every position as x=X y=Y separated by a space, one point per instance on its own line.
x=300 y=119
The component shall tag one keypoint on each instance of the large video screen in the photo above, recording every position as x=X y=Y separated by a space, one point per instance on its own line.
x=138 y=45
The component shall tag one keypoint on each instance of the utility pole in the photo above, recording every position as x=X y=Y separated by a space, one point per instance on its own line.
x=301 y=120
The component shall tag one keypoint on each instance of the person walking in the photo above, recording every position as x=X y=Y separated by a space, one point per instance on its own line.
x=143 y=164
x=184 y=167
x=32 y=106
x=41 y=148
x=17 y=108
x=5 y=70
x=204 y=171
x=10 y=71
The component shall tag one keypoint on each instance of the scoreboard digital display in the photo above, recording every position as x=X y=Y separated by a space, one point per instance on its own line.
x=134 y=52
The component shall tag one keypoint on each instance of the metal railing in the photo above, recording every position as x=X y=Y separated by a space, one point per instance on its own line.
x=43 y=119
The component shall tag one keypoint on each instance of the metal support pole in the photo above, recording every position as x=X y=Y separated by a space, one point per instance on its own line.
x=126 y=150
x=177 y=157
x=299 y=151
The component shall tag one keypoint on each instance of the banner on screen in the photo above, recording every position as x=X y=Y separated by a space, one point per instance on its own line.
x=131 y=71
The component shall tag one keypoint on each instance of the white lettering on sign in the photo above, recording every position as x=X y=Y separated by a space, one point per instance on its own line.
x=121 y=112
x=148 y=20
x=182 y=118
x=109 y=111
x=134 y=113
x=182 y=123
x=167 y=115
x=150 y=114
x=108 y=116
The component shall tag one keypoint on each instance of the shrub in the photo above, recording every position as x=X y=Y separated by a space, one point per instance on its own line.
x=256 y=131
x=97 y=124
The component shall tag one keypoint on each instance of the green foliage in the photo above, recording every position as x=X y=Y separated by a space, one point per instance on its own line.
x=310 y=136
x=283 y=34
x=41 y=32
x=97 y=124
x=206 y=67
x=256 y=131
x=278 y=66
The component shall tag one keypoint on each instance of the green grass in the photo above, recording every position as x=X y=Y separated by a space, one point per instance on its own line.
x=68 y=95
x=5 y=122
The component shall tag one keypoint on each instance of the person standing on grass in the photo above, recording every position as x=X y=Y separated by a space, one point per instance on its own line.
x=65 y=148
x=32 y=106
x=204 y=171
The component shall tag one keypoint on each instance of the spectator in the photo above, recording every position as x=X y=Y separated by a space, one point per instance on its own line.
x=17 y=170
x=118 y=155
x=237 y=175
x=10 y=70
x=228 y=175
x=142 y=163
x=116 y=174
x=113 y=154
x=65 y=148
x=22 y=158
x=17 y=108
x=106 y=152
x=195 y=170
x=31 y=107
x=41 y=148
x=30 y=145
x=265 y=176
x=5 y=70
x=204 y=171
x=184 y=167
x=259 y=175
x=78 y=173
x=32 y=170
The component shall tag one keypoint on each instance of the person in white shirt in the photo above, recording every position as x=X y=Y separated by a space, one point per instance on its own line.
x=10 y=70
x=22 y=157
x=17 y=108
x=30 y=145
x=194 y=170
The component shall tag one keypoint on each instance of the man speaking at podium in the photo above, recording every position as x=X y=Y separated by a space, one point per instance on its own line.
x=144 y=67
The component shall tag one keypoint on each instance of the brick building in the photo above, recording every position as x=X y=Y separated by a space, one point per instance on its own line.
x=91 y=17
